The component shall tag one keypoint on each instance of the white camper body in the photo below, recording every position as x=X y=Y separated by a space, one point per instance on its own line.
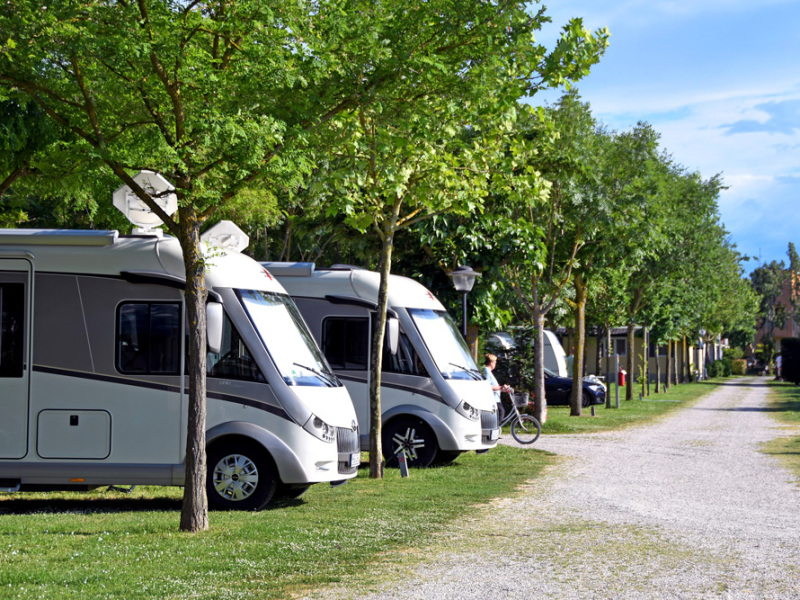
x=435 y=402
x=93 y=391
x=555 y=359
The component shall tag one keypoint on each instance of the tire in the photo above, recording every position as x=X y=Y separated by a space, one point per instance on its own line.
x=587 y=400
x=445 y=457
x=412 y=435
x=240 y=477
x=527 y=430
x=290 y=492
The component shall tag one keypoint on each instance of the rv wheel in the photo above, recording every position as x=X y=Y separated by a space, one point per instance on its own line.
x=413 y=436
x=240 y=477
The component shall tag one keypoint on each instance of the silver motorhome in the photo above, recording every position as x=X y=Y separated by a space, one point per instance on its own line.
x=93 y=385
x=435 y=402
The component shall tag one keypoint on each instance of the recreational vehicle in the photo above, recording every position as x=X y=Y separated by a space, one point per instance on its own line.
x=435 y=402
x=93 y=353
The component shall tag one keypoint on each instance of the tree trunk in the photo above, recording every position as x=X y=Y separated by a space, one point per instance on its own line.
x=540 y=401
x=631 y=361
x=376 y=356
x=646 y=386
x=686 y=360
x=194 y=512
x=658 y=371
x=609 y=374
x=576 y=400
x=669 y=367
x=598 y=365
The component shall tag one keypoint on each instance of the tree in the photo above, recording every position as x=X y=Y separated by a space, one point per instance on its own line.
x=768 y=281
x=432 y=145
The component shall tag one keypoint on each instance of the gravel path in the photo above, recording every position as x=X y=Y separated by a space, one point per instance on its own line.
x=687 y=508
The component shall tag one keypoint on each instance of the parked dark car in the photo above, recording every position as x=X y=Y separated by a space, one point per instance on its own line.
x=558 y=390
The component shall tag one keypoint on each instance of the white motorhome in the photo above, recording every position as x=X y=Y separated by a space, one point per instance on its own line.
x=434 y=400
x=93 y=385
x=555 y=359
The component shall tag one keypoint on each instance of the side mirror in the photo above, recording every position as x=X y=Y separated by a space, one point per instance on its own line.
x=393 y=334
x=214 y=319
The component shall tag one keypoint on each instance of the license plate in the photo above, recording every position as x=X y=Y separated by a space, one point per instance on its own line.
x=494 y=435
x=355 y=459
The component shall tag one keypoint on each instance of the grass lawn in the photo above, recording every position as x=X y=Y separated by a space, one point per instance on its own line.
x=108 y=545
x=785 y=405
x=105 y=544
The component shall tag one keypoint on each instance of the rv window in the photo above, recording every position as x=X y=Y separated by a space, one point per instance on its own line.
x=406 y=360
x=233 y=361
x=345 y=341
x=287 y=339
x=12 y=319
x=148 y=338
x=447 y=348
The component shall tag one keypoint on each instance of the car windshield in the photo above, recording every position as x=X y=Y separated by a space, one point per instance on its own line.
x=443 y=340
x=287 y=339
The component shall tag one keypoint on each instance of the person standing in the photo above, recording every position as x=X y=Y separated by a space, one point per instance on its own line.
x=489 y=363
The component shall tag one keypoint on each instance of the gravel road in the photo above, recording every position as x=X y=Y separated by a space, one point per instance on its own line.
x=687 y=508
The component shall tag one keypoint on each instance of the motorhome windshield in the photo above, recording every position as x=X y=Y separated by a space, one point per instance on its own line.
x=444 y=342
x=287 y=338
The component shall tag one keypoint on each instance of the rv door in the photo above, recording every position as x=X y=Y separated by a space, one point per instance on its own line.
x=15 y=363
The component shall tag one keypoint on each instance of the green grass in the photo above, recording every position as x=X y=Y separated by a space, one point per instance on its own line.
x=108 y=545
x=630 y=412
x=785 y=406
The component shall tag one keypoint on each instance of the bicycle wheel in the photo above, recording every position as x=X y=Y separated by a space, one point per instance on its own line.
x=526 y=429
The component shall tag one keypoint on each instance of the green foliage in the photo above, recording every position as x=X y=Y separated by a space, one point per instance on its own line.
x=738 y=366
x=720 y=368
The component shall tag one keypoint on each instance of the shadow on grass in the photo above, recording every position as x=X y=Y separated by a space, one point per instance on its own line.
x=19 y=505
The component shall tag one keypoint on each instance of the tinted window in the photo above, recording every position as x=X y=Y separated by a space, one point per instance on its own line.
x=345 y=342
x=406 y=360
x=148 y=338
x=234 y=360
x=12 y=321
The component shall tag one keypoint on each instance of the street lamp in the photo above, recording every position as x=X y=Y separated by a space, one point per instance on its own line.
x=463 y=280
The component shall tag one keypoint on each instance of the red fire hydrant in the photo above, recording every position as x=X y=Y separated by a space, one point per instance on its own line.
x=621 y=377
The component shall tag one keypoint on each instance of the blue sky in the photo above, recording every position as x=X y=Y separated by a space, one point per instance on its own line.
x=720 y=80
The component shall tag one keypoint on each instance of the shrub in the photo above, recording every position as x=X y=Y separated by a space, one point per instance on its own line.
x=739 y=367
x=719 y=368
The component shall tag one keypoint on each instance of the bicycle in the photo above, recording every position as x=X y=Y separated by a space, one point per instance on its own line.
x=524 y=428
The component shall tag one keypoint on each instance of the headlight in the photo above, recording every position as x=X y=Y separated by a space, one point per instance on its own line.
x=472 y=413
x=320 y=429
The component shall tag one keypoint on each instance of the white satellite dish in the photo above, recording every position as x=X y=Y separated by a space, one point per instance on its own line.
x=136 y=210
x=226 y=235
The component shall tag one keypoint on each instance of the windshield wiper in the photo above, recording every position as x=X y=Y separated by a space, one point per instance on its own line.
x=474 y=373
x=332 y=382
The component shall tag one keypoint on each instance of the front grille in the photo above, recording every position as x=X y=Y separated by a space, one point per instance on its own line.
x=347 y=444
x=488 y=419
x=346 y=440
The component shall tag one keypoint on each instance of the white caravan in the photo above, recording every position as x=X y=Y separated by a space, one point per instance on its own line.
x=93 y=385
x=435 y=402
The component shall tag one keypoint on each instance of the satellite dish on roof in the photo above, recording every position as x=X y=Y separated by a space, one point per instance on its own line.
x=226 y=235
x=136 y=210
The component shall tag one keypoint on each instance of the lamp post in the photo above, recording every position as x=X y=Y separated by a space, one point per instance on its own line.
x=463 y=280
x=700 y=358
